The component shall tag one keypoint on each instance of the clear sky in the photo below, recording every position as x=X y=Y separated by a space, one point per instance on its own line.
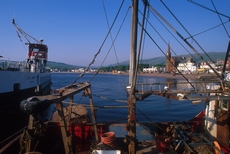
x=74 y=30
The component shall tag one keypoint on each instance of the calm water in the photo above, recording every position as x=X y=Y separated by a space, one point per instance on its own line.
x=154 y=108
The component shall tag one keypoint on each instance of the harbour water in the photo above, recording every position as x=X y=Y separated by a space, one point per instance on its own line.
x=109 y=90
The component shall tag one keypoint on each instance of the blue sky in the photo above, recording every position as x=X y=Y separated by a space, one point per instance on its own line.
x=75 y=29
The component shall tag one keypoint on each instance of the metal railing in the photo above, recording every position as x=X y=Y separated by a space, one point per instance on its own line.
x=203 y=87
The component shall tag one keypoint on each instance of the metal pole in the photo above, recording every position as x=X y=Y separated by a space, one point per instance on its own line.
x=132 y=99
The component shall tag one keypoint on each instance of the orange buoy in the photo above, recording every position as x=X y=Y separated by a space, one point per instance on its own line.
x=108 y=138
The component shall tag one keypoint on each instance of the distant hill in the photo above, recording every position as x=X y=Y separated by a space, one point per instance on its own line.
x=150 y=61
x=59 y=65
x=162 y=60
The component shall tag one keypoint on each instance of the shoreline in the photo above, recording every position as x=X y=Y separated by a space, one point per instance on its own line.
x=168 y=75
x=158 y=75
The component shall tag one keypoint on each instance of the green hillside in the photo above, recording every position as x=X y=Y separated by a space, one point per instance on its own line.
x=59 y=65
x=150 y=61
x=161 y=60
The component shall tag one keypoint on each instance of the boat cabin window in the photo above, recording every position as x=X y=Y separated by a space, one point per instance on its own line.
x=224 y=105
x=35 y=49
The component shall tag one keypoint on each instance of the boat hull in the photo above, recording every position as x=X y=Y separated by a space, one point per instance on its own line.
x=16 y=86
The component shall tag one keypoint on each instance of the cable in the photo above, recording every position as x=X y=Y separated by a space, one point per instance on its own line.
x=208 y=29
x=186 y=30
x=110 y=33
x=220 y=18
x=99 y=50
x=111 y=44
x=191 y=1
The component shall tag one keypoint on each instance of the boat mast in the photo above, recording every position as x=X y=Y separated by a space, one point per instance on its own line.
x=132 y=99
x=133 y=42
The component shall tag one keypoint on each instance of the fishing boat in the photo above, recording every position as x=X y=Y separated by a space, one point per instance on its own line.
x=73 y=130
x=20 y=80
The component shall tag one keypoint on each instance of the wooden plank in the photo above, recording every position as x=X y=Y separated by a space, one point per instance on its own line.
x=64 y=93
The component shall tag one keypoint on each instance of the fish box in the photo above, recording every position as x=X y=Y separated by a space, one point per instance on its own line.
x=85 y=132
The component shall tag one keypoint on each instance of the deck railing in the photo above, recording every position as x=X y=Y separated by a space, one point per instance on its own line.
x=172 y=89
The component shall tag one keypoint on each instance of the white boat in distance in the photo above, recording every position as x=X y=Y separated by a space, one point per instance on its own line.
x=20 y=80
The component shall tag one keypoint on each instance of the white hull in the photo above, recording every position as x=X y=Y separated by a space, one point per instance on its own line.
x=16 y=86
x=16 y=80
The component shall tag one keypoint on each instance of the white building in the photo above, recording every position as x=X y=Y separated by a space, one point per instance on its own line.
x=149 y=70
x=187 y=66
x=206 y=66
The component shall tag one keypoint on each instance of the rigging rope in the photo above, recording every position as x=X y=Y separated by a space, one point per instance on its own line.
x=25 y=35
x=166 y=56
x=191 y=1
x=171 y=35
x=111 y=44
x=208 y=29
x=186 y=31
x=217 y=74
x=220 y=77
x=110 y=33
x=143 y=29
x=151 y=120
x=220 y=18
x=95 y=56
x=176 y=40
x=167 y=43
x=21 y=41
x=170 y=47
